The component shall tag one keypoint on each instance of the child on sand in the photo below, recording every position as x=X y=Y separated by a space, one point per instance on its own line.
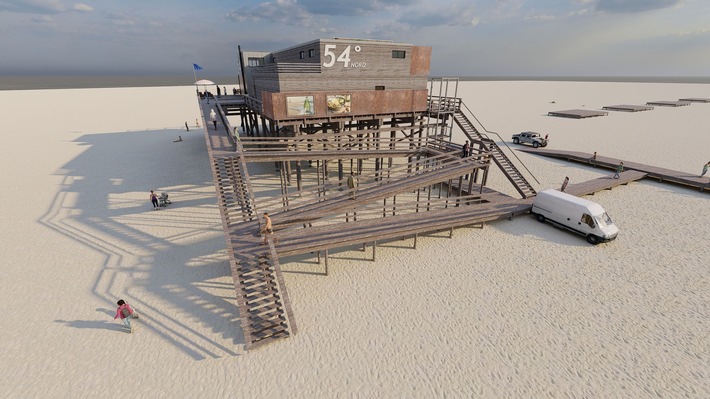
x=126 y=313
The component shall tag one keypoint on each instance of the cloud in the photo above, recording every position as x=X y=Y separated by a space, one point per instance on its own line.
x=41 y=7
x=634 y=6
x=288 y=12
x=32 y=6
x=360 y=7
x=442 y=16
x=81 y=7
x=120 y=20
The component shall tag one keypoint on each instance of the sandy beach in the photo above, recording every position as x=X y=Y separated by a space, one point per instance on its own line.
x=516 y=309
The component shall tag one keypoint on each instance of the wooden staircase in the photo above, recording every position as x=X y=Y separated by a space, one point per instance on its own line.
x=521 y=184
x=264 y=307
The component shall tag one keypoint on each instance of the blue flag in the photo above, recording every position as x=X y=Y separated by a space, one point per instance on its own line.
x=196 y=67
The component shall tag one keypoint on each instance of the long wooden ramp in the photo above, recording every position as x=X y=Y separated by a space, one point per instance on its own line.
x=264 y=306
x=297 y=240
x=661 y=174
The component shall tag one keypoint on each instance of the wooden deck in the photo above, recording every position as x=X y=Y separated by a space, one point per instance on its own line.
x=695 y=100
x=578 y=113
x=628 y=108
x=661 y=174
x=680 y=103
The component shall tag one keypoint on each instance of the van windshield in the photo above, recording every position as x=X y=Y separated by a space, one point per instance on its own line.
x=603 y=220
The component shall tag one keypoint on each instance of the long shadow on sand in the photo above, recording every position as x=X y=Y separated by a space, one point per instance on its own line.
x=163 y=263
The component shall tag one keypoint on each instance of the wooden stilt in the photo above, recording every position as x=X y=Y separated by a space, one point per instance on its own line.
x=326 y=262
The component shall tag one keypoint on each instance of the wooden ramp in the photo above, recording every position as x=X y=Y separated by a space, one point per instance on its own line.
x=661 y=174
x=603 y=183
x=264 y=307
x=297 y=240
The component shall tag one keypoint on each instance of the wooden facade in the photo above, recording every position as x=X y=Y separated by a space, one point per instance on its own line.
x=366 y=77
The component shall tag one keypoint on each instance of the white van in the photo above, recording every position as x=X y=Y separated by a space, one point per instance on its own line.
x=577 y=214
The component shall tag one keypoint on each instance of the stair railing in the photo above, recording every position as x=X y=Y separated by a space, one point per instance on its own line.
x=499 y=137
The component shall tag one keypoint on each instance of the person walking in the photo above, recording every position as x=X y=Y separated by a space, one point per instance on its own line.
x=126 y=313
x=619 y=169
x=187 y=127
x=564 y=184
x=213 y=118
x=154 y=200
x=267 y=229
x=705 y=169
x=351 y=185
x=219 y=92
x=466 y=148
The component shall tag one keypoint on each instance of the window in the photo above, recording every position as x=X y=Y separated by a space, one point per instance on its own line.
x=302 y=55
x=588 y=220
x=379 y=87
x=254 y=61
x=398 y=53
x=311 y=53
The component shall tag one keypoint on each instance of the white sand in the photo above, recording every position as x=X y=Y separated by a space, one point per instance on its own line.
x=517 y=309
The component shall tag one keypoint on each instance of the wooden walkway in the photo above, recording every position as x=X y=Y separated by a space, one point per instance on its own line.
x=603 y=183
x=661 y=174
x=429 y=192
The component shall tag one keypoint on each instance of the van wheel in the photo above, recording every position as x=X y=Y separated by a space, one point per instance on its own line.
x=592 y=239
x=540 y=218
x=536 y=144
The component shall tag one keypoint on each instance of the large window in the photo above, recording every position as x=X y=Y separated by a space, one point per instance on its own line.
x=254 y=61
x=398 y=53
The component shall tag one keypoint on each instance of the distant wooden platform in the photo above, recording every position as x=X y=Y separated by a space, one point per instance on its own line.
x=577 y=113
x=628 y=108
x=661 y=174
x=696 y=100
x=669 y=103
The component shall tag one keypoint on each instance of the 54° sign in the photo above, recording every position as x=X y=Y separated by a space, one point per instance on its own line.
x=344 y=57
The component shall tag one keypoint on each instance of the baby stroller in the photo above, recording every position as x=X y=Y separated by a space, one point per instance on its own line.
x=163 y=200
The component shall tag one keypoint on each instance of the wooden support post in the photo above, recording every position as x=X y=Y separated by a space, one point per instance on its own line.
x=326 y=262
x=415 y=241
x=451 y=232
x=374 y=246
x=298 y=176
x=319 y=257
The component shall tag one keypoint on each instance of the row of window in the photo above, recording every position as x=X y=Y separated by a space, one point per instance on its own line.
x=255 y=61
x=311 y=54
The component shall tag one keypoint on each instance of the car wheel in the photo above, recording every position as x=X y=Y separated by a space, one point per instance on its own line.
x=592 y=239
x=540 y=218
x=516 y=140
x=535 y=144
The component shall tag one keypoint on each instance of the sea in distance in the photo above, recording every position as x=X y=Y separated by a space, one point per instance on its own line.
x=101 y=81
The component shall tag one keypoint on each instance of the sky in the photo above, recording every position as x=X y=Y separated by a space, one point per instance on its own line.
x=468 y=37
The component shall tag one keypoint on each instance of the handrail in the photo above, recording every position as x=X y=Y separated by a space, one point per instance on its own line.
x=501 y=139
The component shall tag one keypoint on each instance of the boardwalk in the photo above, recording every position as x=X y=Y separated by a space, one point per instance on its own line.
x=654 y=172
